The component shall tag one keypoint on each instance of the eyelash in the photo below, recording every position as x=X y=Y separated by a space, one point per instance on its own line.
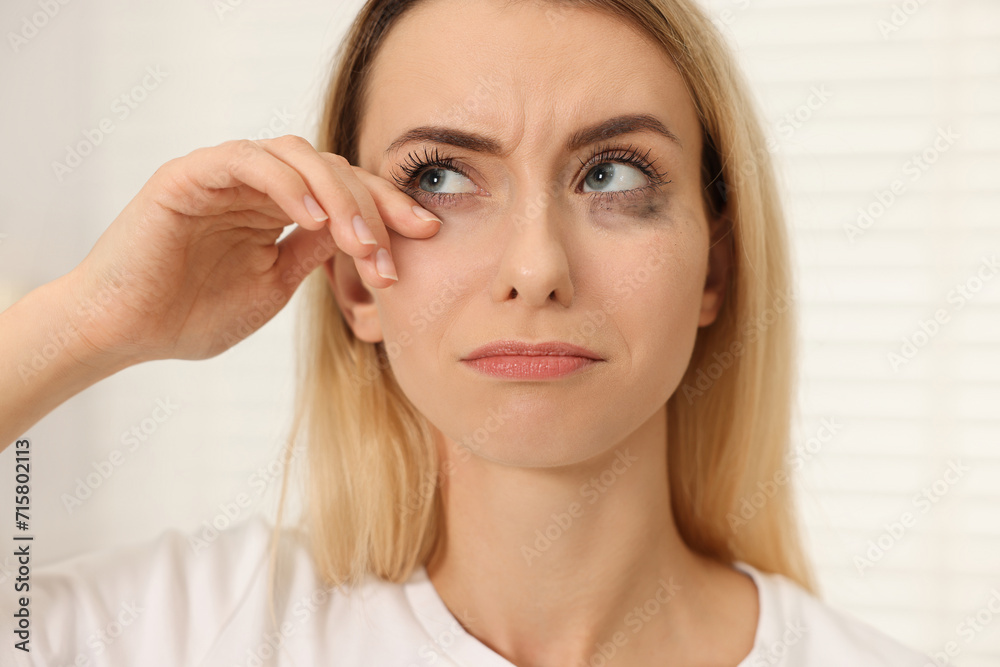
x=414 y=166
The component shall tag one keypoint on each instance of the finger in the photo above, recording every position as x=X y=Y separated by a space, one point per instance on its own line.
x=303 y=250
x=250 y=218
x=188 y=181
x=249 y=199
x=337 y=189
x=192 y=200
x=396 y=208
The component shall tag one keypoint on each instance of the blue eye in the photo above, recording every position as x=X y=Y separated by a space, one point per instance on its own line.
x=624 y=167
x=440 y=179
x=604 y=176
x=430 y=172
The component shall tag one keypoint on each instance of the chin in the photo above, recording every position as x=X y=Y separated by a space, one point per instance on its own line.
x=531 y=441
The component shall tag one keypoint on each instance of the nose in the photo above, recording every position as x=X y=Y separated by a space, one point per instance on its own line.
x=534 y=268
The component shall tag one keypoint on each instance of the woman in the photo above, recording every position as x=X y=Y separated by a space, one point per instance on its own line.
x=532 y=420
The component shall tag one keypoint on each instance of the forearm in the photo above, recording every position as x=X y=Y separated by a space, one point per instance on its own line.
x=44 y=360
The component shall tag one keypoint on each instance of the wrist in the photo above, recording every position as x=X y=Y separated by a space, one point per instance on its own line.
x=80 y=328
x=43 y=358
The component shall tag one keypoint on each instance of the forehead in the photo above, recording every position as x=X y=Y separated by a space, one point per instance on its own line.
x=529 y=73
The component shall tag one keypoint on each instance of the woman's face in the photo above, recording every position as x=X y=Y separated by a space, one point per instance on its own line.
x=559 y=224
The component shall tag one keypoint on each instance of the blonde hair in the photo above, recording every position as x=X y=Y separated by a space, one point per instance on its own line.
x=372 y=503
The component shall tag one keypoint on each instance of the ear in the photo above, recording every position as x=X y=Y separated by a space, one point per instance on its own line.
x=356 y=300
x=719 y=265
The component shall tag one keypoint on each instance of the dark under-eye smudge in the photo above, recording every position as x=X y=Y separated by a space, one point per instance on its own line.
x=646 y=210
x=651 y=210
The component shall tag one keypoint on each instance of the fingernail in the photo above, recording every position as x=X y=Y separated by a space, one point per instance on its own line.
x=314 y=209
x=383 y=264
x=424 y=214
x=363 y=233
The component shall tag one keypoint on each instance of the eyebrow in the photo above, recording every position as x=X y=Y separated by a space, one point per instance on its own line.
x=612 y=127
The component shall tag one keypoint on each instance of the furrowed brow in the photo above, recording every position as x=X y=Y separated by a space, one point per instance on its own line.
x=479 y=143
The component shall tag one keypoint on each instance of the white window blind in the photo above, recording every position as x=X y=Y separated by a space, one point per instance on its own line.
x=886 y=125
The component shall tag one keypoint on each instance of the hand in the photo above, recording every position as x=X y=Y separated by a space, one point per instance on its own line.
x=191 y=265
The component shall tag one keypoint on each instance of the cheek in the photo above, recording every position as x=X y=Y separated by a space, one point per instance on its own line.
x=658 y=303
x=417 y=311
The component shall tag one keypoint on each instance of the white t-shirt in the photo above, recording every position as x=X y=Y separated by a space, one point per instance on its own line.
x=180 y=603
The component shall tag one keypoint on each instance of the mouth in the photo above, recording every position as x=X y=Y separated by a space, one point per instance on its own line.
x=500 y=348
x=519 y=360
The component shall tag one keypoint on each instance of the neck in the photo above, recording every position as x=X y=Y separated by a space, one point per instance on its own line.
x=549 y=565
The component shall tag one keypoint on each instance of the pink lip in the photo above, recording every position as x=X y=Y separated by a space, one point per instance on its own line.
x=506 y=348
x=514 y=359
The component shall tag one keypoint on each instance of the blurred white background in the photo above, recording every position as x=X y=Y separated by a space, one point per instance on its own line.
x=888 y=108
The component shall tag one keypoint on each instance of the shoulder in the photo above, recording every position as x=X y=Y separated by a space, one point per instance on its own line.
x=797 y=628
x=104 y=603
x=208 y=597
